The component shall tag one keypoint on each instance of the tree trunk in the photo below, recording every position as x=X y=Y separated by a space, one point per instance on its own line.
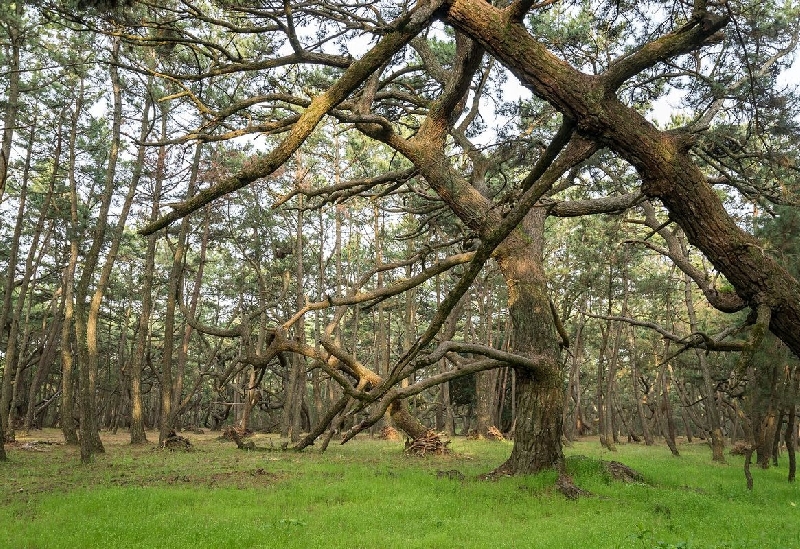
x=166 y=418
x=68 y=381
x=637 y=393
x=601 y=390
x=791 y=427
x=47 y=358
x=16 y=39
x=572 y=407
x=405 y=421
x=8 y=316
x=296 y=383
x=666 y=419
x=140 y=346
x=662 y=159
x=539 y=398
x=765 y=412
x=486 y=381
x=85 y=318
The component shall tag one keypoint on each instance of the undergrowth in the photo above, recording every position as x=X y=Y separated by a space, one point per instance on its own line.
x=369 y=494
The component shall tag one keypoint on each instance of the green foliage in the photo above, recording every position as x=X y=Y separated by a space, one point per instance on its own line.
x=369 y=494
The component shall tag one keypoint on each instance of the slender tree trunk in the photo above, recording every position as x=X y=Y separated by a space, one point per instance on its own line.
x=175 y=285
x=610 y=390
x=68 y=377
x=767 y=413
x=292 y=422
x=7 y=315
x=16 y=39
x=637 y=393
x=709 y=392
x=316 y=381
x=183 y=354
x=602 y=396
x=85 y=327
x=166 y=379
x=28 y=286
x=791 y=423
x=666 y=416
x=572 y=406
x=486 y=381
x=47 y=358
x=137 y=420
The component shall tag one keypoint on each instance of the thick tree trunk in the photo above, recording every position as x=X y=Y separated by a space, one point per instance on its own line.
x=537 y=437
x=539 y=398
x=405 y=421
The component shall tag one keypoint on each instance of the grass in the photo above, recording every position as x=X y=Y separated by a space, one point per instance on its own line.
x=369 y=494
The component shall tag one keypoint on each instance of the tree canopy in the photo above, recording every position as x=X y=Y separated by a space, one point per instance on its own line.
x=483 y=136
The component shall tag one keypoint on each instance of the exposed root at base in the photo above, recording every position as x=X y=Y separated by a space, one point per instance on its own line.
x=567 y=487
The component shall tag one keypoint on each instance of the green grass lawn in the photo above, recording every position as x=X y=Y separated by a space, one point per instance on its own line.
x=369 y=494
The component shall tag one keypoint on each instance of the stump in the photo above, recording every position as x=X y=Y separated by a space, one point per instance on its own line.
x=176 y=442
x=235 y=434
x=740 y=448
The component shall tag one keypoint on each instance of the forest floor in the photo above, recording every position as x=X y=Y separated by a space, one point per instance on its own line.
x=369 y=494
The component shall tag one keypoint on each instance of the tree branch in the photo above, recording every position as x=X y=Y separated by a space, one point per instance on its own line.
x=401 y=32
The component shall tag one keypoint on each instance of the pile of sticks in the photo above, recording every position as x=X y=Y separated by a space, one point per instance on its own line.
x=176 y=442
x=494 y=434
x=429 y=443
x=389 y=433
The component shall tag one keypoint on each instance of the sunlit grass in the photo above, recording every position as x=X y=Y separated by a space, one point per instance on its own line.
x=368 y=494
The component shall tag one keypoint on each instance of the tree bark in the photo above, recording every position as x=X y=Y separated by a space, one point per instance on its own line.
x=296 y=382
x=68 y=381
x=85 y=319
x=16 y=39
x=137 y=420
x=539 y=398
x=662 y=159
x=637 y=393
x=9 y=316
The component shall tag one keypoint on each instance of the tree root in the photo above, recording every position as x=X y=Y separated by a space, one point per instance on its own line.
x=567 y=486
